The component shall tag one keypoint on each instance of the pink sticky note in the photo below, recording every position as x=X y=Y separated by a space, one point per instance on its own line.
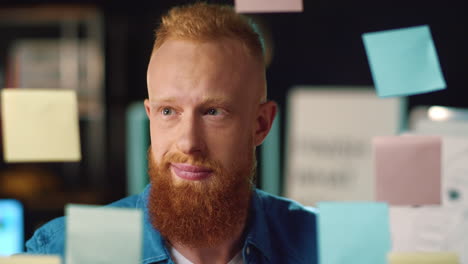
x=267 y=6
x=408 y=169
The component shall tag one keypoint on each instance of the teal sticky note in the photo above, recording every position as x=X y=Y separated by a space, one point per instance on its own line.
x=403 y=61
x=97 y=235
x=353 y=232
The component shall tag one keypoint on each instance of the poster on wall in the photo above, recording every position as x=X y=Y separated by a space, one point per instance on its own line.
x=329 y=132
x=430 y=229
x=452 y=125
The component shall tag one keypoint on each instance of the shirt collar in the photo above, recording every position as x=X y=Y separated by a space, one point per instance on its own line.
x=257 y=233
x=153 y=243
x=257 y=230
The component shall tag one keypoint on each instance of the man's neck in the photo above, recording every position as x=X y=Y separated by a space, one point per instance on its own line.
x=221 y=253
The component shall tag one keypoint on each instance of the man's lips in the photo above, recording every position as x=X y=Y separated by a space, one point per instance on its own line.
x=190 y=172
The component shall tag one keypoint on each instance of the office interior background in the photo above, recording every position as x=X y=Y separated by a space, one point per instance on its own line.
x=320 y=46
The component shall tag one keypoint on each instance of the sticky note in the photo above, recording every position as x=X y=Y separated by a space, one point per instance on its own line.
x=422 y=258
x=268 y=6
x=40 y=125
x=408 y=169
x=353 y=232
x=403 y=61
x=11 y=227
x=30 y=259
x=103 y=235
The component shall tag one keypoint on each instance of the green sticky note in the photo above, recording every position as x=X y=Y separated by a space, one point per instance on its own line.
x=423 y=258
x=403 y=61
x=353 y=232
x=97 y=235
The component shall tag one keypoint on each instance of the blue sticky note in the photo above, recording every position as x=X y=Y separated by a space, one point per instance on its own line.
x=353 y=232
x=11 y=227
x=403 y=61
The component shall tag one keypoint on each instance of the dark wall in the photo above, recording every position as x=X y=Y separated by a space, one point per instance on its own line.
x=321 y=46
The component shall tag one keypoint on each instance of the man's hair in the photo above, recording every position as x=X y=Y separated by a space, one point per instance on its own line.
x=207 y=22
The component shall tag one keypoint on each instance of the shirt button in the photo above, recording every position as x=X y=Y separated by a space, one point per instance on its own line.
x=247 y=250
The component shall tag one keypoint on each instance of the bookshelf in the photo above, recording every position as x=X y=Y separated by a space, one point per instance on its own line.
x=57 y=47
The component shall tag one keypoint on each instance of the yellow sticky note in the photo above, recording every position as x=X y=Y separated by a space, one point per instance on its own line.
x=422 y=258
x=40 y=125
x=30 y=259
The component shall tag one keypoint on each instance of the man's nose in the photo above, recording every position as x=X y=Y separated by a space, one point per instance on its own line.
x=190 y=140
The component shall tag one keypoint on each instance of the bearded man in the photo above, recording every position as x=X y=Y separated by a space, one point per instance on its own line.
x=208 y=112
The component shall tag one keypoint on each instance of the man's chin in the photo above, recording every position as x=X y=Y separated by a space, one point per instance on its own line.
x=203 y=212
x=197 y=216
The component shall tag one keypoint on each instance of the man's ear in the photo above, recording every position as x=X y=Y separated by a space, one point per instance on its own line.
x=147 y=108
x=265 y=116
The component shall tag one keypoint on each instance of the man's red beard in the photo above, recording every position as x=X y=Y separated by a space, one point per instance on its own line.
x=199 y=214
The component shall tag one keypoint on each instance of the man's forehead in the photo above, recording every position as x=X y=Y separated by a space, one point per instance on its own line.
x=221 y=65
x=222 y=52
x=183 y=57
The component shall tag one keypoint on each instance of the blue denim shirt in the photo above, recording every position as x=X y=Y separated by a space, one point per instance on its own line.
x=279 y=231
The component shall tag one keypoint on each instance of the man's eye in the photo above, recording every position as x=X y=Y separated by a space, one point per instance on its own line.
x=213 y=111
x=167 y=111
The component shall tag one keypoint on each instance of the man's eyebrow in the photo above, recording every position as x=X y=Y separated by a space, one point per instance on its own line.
x=216 y=101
